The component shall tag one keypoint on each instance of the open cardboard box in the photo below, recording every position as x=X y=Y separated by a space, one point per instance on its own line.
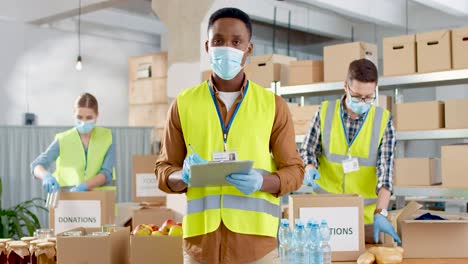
x=163 y=249
x=111 y=249
x=431 y=238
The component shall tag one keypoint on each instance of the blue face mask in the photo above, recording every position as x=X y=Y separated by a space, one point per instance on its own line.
x=358 y=107
x=85 y=127
x=226 y=61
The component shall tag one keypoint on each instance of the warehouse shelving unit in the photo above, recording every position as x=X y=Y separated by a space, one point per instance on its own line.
x=451 y=196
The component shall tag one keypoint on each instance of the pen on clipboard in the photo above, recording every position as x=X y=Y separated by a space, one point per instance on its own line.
x=191 y=148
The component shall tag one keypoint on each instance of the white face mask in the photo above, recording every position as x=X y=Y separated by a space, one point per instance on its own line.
x=226 y=61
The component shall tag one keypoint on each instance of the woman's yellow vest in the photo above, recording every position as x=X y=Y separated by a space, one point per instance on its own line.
x=73 y=166
x=249 y=135
x=365 y=147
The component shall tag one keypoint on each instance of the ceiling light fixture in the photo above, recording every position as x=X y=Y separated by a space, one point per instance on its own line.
x=79 y=62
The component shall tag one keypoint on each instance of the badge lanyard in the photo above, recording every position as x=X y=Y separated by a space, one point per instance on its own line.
x=225 y=128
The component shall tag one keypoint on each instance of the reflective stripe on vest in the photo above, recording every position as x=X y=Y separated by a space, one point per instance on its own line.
x=233 y=202
x=364 y=147
x=206 y=207
x=71 y=166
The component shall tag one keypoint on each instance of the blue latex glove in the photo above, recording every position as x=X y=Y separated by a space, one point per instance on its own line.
x=246 y=183
x=381 y=224
x=189 y=161
x=80 y=188
x=49 y=183
x=310 y=176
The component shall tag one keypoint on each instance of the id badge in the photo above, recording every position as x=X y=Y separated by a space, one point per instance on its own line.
x=350 y=165
x=225 y=156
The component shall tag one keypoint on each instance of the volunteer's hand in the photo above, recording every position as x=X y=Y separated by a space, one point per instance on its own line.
x=381 y=224
x=246 y=183
x=310 y=176
x=80 y=188
x=49 y=183
x=189 y=161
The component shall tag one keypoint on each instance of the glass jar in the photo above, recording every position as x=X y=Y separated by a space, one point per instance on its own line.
x=27 y=240
x=45 y=253
x=18 y=253
x=33 y=248
x=44 y=233
x=73 y=233
x=3 y=253
x=95 y=234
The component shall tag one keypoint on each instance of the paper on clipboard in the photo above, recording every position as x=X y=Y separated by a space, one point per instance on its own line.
x=214 y=173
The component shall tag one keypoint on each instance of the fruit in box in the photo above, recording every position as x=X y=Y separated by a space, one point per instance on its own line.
x=142 y=230
x=157 y=233
x=166 y=226
x=176 y=230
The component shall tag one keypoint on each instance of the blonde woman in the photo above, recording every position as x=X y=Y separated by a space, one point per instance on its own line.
x=84 y=154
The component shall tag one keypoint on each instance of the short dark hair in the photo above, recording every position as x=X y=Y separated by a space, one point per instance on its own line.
x=231 y=12
x=362 y=70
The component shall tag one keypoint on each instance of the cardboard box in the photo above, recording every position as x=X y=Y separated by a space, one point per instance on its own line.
x=434 y=51
x=435 y=238
x=399 y=55
x=336 y=59
x=265 y=69
x=164 y=249
x=385 y=102
x=112 y=249
x=417 y=172
x=148 y=91
x=206 y=75
x=305 y=72
x=344 y=214
x=454 y=166
x=153 y=115
x=82 y=209
x=460 y=48
x=419 y=116
x=145 y=187
x=302 y=117
x=157 y=64
x=456 y=112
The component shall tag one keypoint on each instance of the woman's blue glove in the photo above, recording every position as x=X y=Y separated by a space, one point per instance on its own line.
x=381 y=224
x=310 y=176
x=80 y=188
x=246 y=183
x=49 y=183
x=189 y=161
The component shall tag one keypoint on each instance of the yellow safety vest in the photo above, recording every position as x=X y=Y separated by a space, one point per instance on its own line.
x=365 y=147
x=73 y=166
x=249 y=135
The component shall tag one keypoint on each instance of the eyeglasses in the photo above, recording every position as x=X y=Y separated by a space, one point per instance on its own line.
x=364 y=99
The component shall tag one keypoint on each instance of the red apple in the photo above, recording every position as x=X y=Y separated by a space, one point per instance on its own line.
x=154 y=227
x=175 y=230
x=166 y=226
x=142 y=230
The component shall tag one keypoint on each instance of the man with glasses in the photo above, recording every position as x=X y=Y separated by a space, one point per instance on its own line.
x=349 y=147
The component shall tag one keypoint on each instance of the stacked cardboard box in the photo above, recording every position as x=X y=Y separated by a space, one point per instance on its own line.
x=454 y=166
x=305 y=72
x=147 y=95
x=265 y=69
x=302 y=117
x=417 y=172
x=460 y=48
x=434 y=51
x=456 y=112
x=338 y=57
x=399 y=55
x=419 y=115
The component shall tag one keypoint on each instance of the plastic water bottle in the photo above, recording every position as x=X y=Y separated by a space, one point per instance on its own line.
x=316 y=250
x=285 y=242
x=310 y=241
x=326 y=249
x=300 y=242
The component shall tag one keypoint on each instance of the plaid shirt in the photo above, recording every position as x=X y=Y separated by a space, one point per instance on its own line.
x=311 y=148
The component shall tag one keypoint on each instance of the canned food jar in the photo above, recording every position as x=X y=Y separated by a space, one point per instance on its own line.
x=45 y=253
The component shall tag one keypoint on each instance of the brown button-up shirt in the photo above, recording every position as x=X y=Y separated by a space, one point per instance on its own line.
x=223 y=245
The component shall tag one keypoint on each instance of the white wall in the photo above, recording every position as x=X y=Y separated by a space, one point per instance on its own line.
x=37 y=65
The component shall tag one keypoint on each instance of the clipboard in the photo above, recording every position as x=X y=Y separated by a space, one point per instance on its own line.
x=214 y=173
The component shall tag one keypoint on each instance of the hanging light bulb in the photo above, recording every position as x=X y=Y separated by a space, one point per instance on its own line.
x=79 y=64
